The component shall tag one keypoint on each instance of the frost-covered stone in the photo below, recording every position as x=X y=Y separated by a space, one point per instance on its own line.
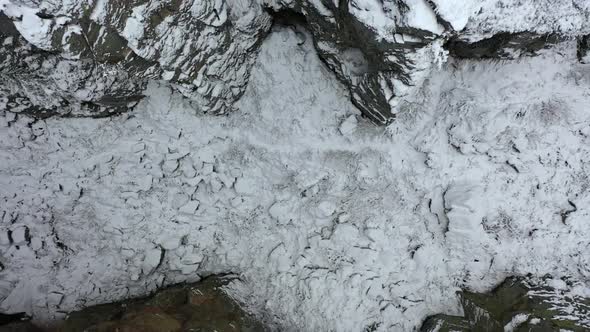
x=95 y=58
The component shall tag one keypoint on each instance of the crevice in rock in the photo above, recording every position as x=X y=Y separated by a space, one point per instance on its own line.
x=446 y=24
x=565 y=213
x=583 y=52
x=357 y=51
x=287 y=17
x=503 y=45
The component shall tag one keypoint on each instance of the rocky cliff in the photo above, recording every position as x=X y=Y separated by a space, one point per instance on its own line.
x=94 y=58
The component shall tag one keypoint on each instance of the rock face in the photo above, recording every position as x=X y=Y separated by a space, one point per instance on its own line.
x=381 y=62
x=501 y=46
x=94 y=58
x=518 y=305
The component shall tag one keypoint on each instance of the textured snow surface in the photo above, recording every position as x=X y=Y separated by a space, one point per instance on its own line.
x=331 y=222
x=486 y=17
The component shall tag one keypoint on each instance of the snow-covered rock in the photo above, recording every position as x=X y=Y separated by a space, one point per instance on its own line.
x=95 y=57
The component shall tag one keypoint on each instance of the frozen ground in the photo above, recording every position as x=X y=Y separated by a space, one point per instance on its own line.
x=332 y=223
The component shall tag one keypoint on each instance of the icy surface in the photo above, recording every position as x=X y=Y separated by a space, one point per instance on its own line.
x=332 y=223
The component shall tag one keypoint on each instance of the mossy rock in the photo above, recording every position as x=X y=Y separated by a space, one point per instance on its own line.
x=446 y=323
x=169 y=298
x=542 y=307
x=201 y=306
x=81 y=320
x=151 y=319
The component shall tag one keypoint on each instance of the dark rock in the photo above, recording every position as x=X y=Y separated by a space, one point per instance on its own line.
x=81 y=320
x=20 y=327
x=11 y=318
x=201 y=306
x=501 y=46
x=150 y=319
x=584 y=49
x=529 y=306
x=169 y=298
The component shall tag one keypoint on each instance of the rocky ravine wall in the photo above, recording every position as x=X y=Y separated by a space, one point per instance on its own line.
x=94 y=58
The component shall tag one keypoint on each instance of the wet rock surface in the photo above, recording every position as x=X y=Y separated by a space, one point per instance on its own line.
x=201 y=306
x=517 y=304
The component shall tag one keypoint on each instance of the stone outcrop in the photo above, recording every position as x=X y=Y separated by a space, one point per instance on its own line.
x=503 y=45
x=94 y=58
x=517 y=305
x=201 y=306
x=381 y=65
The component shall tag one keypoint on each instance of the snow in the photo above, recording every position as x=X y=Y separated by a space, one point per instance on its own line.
x=99 y=11
x=372 y=13
x=331 y=222
x=479 y=19
x=385 y=17
x=422 y=16
x=348 y=126
x=134 y=26
x=516 y=321
x=33 y=28
x=457 y=12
